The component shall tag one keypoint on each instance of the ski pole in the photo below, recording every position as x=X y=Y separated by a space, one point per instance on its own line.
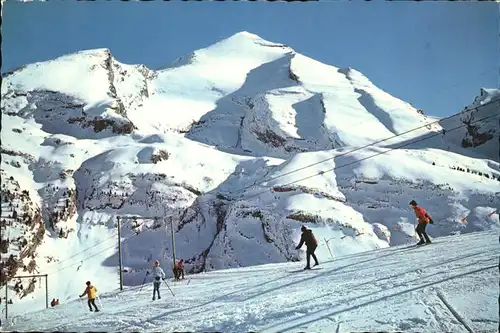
x=99 y=299
x=81 y=302
x=169 y=288
x=328 y=247
x=144 y=281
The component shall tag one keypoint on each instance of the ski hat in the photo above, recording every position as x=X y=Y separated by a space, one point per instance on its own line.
x=413 y=203
x=87 y=283
x=303 y=228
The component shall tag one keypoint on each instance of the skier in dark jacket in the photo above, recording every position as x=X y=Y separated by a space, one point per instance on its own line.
x=423 y=219
x=311 y=244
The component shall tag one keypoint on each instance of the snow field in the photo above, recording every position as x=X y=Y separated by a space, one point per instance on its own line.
x=391 y=289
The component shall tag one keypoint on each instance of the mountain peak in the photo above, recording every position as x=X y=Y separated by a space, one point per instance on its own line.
x=247 y=34
x=248 y=37
x=64 y=58
x=239 y=45
x=88 y=53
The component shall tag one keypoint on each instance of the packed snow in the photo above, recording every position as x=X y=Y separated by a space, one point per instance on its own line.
x=234 y=146
x=448 y=286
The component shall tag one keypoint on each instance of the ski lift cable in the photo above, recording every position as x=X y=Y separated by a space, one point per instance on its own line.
x=328 y=170
x=317 y=174
x=368 y=157
x=240 y=191
x=91 y=247
x=91 y=256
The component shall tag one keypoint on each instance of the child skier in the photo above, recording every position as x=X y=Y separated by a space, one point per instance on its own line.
x=179 y=270
x=91 y=292
x=157 y=275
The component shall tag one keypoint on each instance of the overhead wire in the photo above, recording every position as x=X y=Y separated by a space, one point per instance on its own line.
x=86 y=249
x=377 y=142
x=83 y=260
x=368 y=157
x=93 y=255
x=291 y=183
x=316 y=174
x=243 y=189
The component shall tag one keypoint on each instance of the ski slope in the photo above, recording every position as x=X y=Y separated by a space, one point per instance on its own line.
x=448 y=286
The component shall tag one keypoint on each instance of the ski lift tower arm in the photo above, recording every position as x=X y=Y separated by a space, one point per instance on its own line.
x=135 y=218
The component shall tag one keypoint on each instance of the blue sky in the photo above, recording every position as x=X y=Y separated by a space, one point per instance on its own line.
x=435 y=55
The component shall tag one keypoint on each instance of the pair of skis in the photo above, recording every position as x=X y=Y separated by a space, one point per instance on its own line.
x=98 y=300
x=305 y=270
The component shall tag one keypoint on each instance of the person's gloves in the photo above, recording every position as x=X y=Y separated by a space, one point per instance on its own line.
x=431 y=221
x=296 y=248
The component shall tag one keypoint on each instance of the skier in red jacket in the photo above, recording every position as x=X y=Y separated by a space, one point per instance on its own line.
x=311 y=243
x=423 y=219
x=179 y=270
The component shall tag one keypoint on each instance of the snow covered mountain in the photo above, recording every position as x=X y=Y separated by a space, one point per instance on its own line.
x=483 y=136
x=238 y=145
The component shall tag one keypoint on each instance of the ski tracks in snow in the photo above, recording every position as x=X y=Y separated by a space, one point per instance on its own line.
x=386 y=290
x=414 y=282
x=441 y=296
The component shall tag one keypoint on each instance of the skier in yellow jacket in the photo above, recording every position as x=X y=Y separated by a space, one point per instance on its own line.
x=91 y=292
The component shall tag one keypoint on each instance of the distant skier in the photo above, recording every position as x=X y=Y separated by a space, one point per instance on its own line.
x=423 y=219
x=91 y=292
x=179 y=270
x=311 y=244
x=158 y=274
x=54 y=302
